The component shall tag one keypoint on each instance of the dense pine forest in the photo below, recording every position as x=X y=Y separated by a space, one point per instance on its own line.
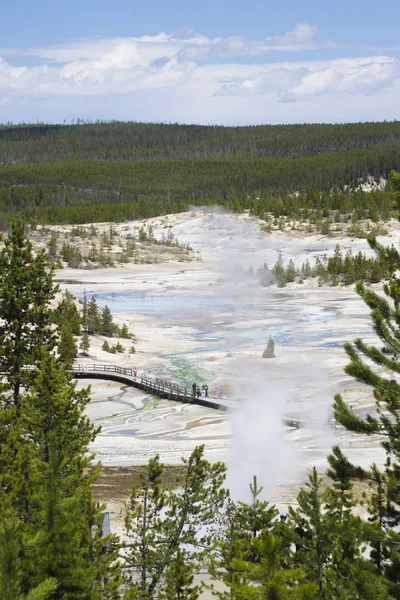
x=115 y=171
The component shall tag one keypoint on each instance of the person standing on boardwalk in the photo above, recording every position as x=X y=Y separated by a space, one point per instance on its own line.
x=194 y=390
x=220 y=392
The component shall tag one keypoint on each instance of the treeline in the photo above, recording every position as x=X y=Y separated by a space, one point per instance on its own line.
x=55 y=205
x=219 y=176
x=335 y=270
x=115 y=171
x=290 y=188
x=149 y=141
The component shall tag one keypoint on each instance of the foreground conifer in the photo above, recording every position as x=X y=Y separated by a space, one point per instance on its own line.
x=379 y=367
x=45 y=477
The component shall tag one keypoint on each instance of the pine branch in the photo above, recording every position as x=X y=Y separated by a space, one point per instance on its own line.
x=341 y=469
x=344 y=415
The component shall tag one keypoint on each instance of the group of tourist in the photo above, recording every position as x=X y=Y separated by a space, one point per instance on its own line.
x=204 y=391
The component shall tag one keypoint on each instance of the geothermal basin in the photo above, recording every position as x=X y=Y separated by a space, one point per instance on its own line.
x=208 y=322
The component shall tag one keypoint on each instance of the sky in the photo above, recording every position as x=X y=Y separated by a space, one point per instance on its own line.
x=209 y=62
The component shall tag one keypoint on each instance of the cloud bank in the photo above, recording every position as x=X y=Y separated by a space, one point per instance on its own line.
x=187 y=77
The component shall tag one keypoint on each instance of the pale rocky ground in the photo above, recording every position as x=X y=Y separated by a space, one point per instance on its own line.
x=196 y=322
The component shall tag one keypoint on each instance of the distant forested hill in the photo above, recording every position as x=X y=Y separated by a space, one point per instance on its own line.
x=58 y=173
x=136 y=141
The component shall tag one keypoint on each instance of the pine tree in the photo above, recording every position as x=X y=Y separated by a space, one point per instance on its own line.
x=229 y=544
x=179 y=579
x=85 y=343
x=11 y=569
x=67 y=347
x=52 y=246
x=107 y=325
x=63 y=512
x=279 y=271
x=157 y=544
x=395 y=183
x=67 y=312
x=290 y=272
x=365 y=360
x=93 y=322
x=124 y=332
x=142 y=522
x=335 y=263
x=45 y=480
x=311 y=537
x=269 y=579
x=349 y=573
x=26 y=290
x=84 y=312
x=239 y=524
x=106 y=346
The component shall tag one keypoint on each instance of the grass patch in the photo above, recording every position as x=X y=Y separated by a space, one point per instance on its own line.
x=151 y=403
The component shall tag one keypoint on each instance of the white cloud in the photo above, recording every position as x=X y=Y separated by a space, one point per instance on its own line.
x=186 y=43
x=344 y=76
x=276 y=80
x=303 y=36
x=177 y=77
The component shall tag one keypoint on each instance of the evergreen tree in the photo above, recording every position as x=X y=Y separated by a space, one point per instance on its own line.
x=106 y=346
x=157 y=544
x=84 y=312
x=365 y=360
x=229 y=544
x=279 y=271
x=349 y=573
x=269 y=351
x=124 y=332
x=290 y=272
x=11 y=569
x=67 y=312
x=335 y=264
x=311 y=537
x=179 y=580
x=63 y=512
x=143 y=522
x=395 y=183
x=45 y=480
x=107 y=324
x=268 y=579
x=93 y=322
x=85 y=343
x=67 y=347
x=26 y=290
x=239 y=525
x=329 y=541
x=53 y=247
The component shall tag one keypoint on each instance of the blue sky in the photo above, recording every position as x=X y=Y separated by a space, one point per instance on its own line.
x=208 y=62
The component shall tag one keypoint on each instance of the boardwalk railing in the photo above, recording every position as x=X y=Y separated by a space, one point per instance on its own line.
x=104 y=368
x=158 y=387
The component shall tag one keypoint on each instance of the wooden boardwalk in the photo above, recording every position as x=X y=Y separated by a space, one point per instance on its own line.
x=157 y=387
